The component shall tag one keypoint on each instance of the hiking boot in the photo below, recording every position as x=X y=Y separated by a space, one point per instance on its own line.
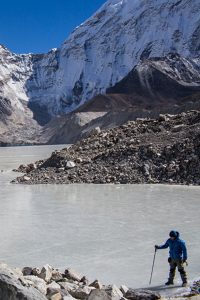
x=169 y=282
x=184 y=284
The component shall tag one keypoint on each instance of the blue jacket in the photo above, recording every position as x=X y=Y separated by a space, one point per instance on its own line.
x=177 y=249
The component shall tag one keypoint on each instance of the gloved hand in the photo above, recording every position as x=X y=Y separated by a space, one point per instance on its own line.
x=156 y=247
x=185 y=262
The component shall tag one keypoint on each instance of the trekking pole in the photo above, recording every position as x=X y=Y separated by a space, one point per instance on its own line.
x=152 y=266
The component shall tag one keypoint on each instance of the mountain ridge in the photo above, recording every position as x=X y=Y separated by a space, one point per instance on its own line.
x=92 y=60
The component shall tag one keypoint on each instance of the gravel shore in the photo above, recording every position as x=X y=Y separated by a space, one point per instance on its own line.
x=50 y=283
x=163 y=150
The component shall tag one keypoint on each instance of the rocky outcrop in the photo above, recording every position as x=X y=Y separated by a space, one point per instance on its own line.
x=163 y=150
x=13 y=286
x=29 y=285
x=69 y=285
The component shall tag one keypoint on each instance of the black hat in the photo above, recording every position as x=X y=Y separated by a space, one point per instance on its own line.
x=174 y=234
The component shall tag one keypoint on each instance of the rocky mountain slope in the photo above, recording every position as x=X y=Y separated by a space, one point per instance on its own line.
x=92 y=59
x=163 y=150
x=158 y=85
x=16 y=119
x=171 y=77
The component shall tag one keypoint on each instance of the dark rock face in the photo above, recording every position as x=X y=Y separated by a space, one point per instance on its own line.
x=163 y=150
x=167 y=79
x=5 y=107
x=40 y=113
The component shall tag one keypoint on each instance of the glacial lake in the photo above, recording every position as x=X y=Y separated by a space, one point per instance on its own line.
x=106 y=232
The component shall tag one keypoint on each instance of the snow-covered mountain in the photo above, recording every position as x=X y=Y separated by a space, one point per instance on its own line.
x=106 y=47
x=170 y=84
x=14 y=72
x=100 y=52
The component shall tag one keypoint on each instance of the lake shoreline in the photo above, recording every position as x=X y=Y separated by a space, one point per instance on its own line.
x=155 y=151
x=49 y=283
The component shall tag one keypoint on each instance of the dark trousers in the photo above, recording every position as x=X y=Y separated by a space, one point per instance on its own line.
x=179 y=264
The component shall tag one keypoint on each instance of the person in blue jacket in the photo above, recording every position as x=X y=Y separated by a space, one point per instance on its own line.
x=177 y=256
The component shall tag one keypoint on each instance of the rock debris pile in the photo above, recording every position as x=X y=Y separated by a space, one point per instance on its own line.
x=48 y=283
x=163 y=150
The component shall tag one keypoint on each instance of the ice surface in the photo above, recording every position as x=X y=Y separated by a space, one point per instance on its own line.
x=104 y=231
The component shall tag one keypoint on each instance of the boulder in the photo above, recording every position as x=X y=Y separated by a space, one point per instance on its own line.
x=56 y=276
x=69 y=297
x=29 y=168
x=68 y=286
x=84 y=280
x=11 y=287
x=141 y=294
x=163 y=118
x=37 y=282
x=27 y=271
x=113 y=292
x=95 y=131
x=70 y=164
x=22 y=168
x=98 y=295
x=71 y=274
x=53 y=294
x=56 y=296
x=96 y=284
x=18 y=272
x=79 y=160
x=36 y=271
x=81 y=293
x=110 y=292
x=46 y=273
x=53 y=285
x=124 y=289
x=26 y=178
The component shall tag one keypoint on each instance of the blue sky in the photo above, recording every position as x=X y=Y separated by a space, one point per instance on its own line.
x=36 y=26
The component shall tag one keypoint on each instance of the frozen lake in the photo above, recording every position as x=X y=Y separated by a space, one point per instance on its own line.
x=103 y=231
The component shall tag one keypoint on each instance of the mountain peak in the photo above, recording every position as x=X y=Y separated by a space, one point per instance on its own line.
x=104 y=49
x=3 y=48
